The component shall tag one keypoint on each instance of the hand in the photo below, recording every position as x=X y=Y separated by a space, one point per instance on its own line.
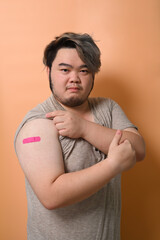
x=121 y=155
x=68 y=124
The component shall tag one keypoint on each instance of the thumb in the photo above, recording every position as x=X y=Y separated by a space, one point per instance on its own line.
x=116 y=139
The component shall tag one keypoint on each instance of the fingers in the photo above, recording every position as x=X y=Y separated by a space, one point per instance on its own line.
x=55 y=113
x=116 y=140
x=58 y=118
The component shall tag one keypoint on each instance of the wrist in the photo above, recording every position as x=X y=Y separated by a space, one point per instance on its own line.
x=113 y=166
x=84 y=128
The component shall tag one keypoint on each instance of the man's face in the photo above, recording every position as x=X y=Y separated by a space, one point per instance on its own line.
x=71 y=80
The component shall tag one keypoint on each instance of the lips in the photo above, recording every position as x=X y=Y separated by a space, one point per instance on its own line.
x=73 y=88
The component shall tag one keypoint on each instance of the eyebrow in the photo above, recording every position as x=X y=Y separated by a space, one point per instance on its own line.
x=68 y=65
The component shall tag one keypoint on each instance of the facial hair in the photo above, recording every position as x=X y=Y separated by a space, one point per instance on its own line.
x=72 y=101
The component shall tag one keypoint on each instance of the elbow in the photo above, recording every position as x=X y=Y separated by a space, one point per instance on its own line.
x=49 y=205
x=56 y=204
x=48 y=200
x=141 y=153
x=46 y=203
x=140 y=156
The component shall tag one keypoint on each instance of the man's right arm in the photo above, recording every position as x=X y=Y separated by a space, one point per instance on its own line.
x=42 y=163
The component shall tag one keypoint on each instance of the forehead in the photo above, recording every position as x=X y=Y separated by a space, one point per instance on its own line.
x=67 y=55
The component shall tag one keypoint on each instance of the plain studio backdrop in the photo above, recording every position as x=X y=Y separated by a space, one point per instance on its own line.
x=128 y=34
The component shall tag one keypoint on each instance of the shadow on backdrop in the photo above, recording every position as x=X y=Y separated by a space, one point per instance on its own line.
x=140 y=185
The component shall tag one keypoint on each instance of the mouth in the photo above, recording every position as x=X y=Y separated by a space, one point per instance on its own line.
x=73 y=88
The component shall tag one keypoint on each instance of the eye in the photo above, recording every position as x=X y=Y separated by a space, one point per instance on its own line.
x=64 y=70
x=84 y=71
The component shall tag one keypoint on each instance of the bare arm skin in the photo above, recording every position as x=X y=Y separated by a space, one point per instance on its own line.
x=101 y=137
x=74 y=126
x=42 y=163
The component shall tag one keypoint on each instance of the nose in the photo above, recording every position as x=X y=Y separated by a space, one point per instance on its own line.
x=74 y=77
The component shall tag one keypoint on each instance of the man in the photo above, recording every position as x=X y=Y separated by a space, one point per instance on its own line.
x=72 y=152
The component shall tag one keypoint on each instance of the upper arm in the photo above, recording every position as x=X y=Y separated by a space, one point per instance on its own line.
x=41 y=161
x=137 y=141
x=133 y=130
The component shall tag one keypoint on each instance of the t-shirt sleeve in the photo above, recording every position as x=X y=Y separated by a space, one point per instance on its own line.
x=119 y=118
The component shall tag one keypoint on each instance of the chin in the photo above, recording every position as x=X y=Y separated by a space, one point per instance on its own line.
x=70 y=102
x=73 y=102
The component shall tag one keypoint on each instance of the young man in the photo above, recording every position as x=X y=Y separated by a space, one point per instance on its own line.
x=72 y=152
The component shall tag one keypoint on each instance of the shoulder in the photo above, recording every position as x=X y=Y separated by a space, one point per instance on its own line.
x=41 y=126
x=39 y=111
x=37 y=130
x=33 y=117
x=102 y=103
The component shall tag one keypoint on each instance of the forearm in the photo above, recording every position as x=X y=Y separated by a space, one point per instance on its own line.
x=70 y=188
x=74 y=126
x=55 y=188
x=101 y=137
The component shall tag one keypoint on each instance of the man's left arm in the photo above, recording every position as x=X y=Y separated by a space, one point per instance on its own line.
x=101 y=137
x=74 y=126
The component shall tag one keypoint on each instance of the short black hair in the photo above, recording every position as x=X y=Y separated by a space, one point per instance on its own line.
x=83 y=43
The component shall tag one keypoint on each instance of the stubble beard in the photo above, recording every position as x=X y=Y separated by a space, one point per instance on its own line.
x=73 y=101
x=70 y=102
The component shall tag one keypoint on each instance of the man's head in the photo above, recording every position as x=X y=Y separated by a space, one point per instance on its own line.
x=84 y=45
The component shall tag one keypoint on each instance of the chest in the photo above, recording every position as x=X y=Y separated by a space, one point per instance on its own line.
x=78 y=154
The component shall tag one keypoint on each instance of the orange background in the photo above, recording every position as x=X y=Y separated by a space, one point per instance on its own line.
x=128 y=34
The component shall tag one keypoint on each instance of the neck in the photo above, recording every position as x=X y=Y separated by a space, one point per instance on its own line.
x=81 y=109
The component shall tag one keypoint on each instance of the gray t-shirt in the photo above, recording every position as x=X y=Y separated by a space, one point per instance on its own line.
x=95 y=218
